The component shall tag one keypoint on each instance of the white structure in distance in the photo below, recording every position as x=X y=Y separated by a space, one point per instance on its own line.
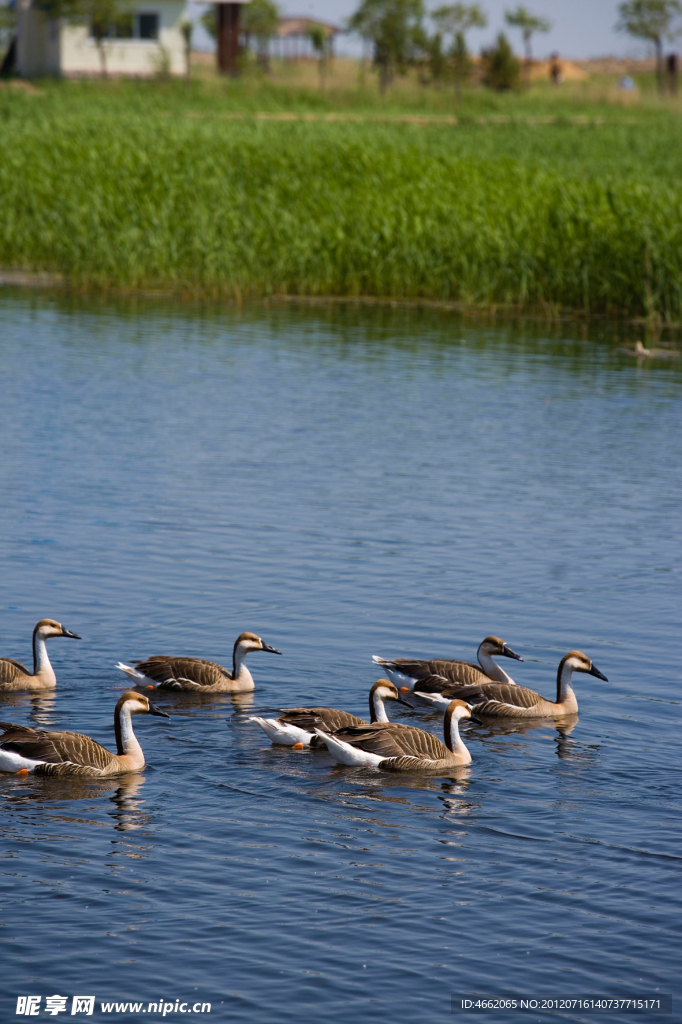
x=147 y=41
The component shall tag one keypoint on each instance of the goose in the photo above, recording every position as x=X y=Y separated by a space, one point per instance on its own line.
x=295 y=727
x=402 y=748
x=500 y=700
x=24 y=750
x=167 y=673
x=14 y=676
x=402 y=670
x=657 y=353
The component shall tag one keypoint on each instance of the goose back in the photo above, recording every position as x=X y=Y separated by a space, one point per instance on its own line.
x=392 y=739
x=327 y=719
x=171 y=673
x=61 y=752
x=12 y=671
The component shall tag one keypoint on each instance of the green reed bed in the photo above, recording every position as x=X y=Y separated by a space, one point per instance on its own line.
x=554 y=216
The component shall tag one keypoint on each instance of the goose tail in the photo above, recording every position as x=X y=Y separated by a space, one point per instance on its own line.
x=281 y=734
x=130 y=671
x=344 y=753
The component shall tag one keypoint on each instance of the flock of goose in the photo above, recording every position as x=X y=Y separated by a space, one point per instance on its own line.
x=463 y=689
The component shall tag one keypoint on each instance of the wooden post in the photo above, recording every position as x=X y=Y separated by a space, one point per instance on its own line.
x=227 y=20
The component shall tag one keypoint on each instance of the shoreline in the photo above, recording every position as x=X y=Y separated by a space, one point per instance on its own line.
x=55 y=282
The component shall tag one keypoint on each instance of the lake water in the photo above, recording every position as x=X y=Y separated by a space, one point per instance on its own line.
x=344 y=482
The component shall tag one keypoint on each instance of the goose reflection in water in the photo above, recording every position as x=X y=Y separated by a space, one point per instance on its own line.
x=490 y=729
x=199 y=703
x=42 y=707
x=129 y=814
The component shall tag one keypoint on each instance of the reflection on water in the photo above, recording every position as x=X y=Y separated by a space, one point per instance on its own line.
x=129 y=813
x=344 y=482
x=42 y=708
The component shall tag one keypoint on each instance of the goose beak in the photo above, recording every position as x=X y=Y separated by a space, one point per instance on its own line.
x=67 y=632
x=154 y=710
x=508 y=653
x=267 y=647
x=594 y=671
x=401 y=700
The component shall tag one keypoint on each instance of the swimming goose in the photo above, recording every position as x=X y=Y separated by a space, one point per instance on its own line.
x=405 y=670
x=14 y=676
x=401 y=748
x=24 y=750
x=296 y=727
x=659 y=353
x=501 y=700
x=167 y=673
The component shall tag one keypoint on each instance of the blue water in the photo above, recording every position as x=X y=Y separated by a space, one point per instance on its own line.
x=343 y=482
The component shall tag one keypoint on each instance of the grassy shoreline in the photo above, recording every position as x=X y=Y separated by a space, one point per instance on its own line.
x=165 y=188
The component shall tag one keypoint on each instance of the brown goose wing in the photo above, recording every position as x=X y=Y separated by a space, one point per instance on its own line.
x=462 y=672
x=395 y=740
x=11 y=670
x=76 y=749
x=32 y=743
x=403 y=764
x=327 y=719
x=55 y=748
x=493 y=698
x=168 y=672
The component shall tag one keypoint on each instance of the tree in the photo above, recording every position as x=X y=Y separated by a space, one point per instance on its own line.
x=456 y=19
x=208 y=20
x=392 y=26
x=187 y=29
x=528 y=23
x=501 y=68
x=652 y=20
x=260 y=19
x=322 y=42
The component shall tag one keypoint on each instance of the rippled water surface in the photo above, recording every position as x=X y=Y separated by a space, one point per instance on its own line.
x=344 y=483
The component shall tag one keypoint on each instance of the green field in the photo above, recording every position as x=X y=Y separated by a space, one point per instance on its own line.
x=528 y=201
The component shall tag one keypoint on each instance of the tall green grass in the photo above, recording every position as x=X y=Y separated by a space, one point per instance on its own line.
x=559 y=217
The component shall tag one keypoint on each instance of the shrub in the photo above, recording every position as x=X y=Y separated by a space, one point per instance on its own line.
x=501 y=69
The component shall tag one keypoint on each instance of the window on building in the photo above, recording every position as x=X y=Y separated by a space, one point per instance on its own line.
x=127 y=26
x=147 y=26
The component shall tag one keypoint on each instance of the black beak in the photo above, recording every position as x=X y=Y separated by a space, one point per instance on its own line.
x=402 y=700
x=267 y=647
x=153 y=710
x=508 y=653
x=595 y=672
x=67 y=632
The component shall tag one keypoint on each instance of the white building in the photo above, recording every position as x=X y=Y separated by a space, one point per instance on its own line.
x=146 y=42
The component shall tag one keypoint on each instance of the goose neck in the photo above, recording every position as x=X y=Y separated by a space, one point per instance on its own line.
x=453 y=740
x=239 y=670
x=564 y=690
x=492 y=669
x=126 y=740
x=41 y=662
x=377 y=711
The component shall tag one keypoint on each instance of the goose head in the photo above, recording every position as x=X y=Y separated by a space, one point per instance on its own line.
x=459 y=709
x=247 y=642
x=384 y=690
x=138 y=704
x=496 y=648
x=48 y=628
x=576 y=661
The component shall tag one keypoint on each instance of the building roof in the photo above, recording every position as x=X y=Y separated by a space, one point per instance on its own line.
x=300 y=26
